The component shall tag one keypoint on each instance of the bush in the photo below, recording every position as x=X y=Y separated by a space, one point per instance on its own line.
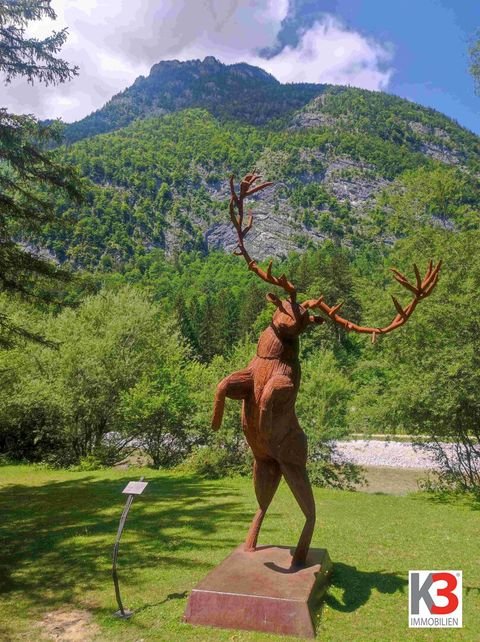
x=90 y=462
x=58 y=405
x=326 y=471
x=214 y=462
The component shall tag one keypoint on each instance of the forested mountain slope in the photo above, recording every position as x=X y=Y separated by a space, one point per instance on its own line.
x=348 y=165
x=230 y=92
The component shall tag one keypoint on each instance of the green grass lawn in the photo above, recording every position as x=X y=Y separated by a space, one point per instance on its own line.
x=57 y=530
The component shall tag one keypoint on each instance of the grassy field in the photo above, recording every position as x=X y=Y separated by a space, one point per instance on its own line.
x=57 y=530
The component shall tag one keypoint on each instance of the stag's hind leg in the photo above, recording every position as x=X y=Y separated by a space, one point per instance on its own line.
x=297 y=479
x=266 y=477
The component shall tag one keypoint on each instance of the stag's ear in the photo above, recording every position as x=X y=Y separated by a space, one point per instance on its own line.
x=273 y=298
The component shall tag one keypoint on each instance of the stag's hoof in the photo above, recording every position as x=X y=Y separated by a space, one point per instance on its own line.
x=297 y=566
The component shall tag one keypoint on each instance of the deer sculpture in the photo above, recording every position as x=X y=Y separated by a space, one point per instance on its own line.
x=268 y=386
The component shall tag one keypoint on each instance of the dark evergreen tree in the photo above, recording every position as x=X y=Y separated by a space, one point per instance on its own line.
x=21 y=55
x=31 y=179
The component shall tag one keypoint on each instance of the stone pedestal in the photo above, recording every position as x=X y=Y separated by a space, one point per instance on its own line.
x=258 y=591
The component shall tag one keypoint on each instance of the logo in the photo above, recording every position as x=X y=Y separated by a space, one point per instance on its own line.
x=435 y=599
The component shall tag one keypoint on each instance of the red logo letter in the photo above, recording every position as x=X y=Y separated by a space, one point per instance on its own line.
x=447 y=592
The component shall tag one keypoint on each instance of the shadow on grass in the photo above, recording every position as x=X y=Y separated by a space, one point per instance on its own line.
x=57 y=539
x=449 y=497
x=357 y=586
x=170 y=596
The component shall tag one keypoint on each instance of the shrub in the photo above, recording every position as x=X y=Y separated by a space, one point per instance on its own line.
x=327 y=471
x=215 y=462
x=58 y=405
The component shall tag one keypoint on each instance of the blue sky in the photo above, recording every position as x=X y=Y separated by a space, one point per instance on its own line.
x=430 y=40
x=415 y=49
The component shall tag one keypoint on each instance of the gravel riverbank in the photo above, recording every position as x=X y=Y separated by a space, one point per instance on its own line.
x=394 y=454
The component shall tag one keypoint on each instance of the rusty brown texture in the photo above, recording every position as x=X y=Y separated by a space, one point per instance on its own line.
x=268 y=386
x=260 y=592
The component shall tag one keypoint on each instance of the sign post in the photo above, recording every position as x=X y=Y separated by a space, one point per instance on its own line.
x=131 y=489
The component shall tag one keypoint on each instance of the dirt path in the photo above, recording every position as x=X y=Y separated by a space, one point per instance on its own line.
x=392 y=481
x=68 y=625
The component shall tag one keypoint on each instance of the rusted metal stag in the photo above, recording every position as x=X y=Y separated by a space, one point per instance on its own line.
x=268 y=386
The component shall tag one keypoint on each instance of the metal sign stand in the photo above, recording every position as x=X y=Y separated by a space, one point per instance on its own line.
x=131 y=489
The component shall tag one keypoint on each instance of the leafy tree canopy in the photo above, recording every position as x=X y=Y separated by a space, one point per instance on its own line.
x=475 y=62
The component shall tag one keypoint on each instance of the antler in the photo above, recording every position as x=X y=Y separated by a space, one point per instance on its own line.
x=421 y=290
x=247 y=188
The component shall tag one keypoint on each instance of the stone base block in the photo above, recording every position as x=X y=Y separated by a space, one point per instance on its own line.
x=259 y=591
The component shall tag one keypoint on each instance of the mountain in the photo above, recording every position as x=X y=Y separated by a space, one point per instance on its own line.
x=229 y=92
x=347 y=165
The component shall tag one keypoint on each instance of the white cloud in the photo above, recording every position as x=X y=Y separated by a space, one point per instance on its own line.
x=114 y=42
x=329 y=53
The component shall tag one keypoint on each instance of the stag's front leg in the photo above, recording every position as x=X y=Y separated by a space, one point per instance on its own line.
x=278 y=389
x=238 y=385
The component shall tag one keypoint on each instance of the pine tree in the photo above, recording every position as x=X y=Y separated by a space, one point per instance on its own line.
x=31 y=177
x=32 y=58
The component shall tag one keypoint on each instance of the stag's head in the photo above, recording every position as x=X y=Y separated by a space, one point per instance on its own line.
x=291 y=318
